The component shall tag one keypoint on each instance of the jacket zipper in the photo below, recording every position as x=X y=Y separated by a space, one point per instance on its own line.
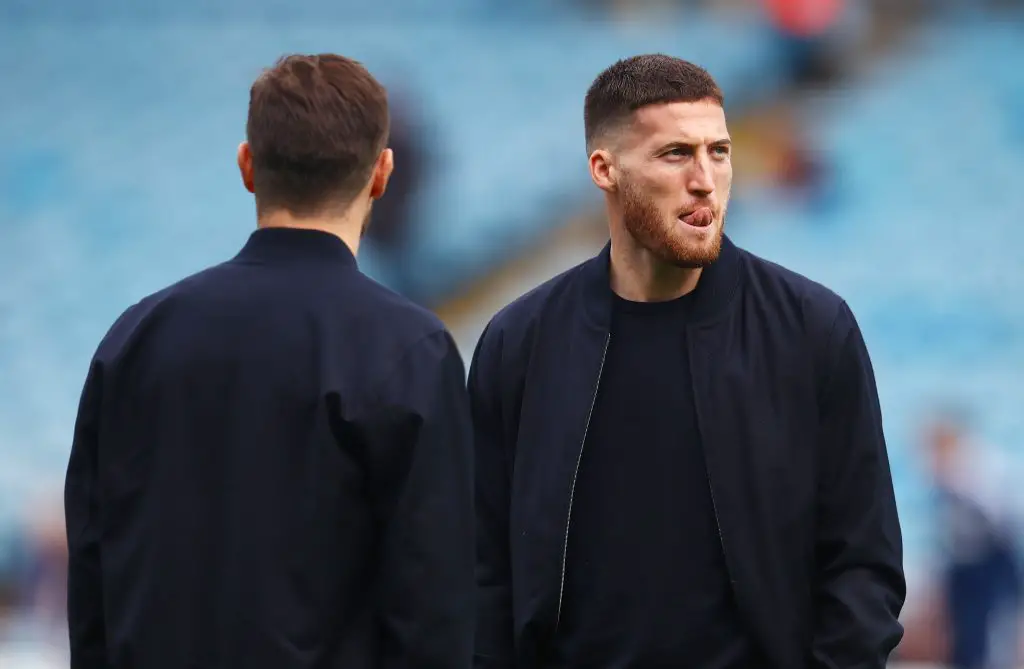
x=714 y=510
x=711 y=491
x=572 y=490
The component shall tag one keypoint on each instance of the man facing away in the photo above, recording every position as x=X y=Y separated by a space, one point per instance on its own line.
x=272 y=461
x=679 y=449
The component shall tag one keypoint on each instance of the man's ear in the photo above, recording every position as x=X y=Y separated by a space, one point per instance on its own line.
x=603 y=170
x=382 y=170
x=245 y=166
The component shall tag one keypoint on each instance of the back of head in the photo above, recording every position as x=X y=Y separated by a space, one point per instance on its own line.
x=316 y=127
x=640 y=81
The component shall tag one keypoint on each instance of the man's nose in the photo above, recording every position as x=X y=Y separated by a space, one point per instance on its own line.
x=699 y=181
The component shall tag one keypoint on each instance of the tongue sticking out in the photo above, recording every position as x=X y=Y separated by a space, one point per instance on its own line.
x=700 y=218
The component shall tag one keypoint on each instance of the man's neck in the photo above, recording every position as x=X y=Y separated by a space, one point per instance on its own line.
x=343 y=227
x=639 y=276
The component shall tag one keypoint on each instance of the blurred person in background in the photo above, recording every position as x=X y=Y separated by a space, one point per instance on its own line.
x=44 y=579
x=9 y=599
x=33 y=590
x=394 y=216
x=272 y=460
x=807 y=32
x=980 y=581
x=679 y=447
x=631 y=9
x=802 y=173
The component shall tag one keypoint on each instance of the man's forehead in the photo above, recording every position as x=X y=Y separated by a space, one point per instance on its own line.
x=681 y=121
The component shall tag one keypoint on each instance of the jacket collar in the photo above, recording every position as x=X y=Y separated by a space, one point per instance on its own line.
x=295 y=245
x=714 y=292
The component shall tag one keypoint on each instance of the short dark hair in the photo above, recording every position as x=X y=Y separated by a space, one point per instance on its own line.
x=316 y=126
x=639 y=81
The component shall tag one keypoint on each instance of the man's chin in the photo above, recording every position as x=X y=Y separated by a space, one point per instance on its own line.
x=691 y=255
x=692 y=261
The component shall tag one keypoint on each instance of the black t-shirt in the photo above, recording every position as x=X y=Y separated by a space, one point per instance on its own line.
x=646 y=584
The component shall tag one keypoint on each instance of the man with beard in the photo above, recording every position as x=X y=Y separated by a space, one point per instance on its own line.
x=679 y=448
x=272 y=461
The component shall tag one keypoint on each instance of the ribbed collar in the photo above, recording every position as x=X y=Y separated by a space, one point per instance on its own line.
x=295 y=244
x=714 y=292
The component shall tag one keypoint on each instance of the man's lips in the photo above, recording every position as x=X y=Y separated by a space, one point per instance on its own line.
x=700 y=217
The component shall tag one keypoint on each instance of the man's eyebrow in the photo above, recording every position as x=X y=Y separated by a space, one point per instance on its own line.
x=689 y=144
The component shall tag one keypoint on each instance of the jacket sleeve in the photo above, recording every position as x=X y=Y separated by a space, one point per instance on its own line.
x=860 y=586
x=494 y=632
x=86 y=629
x=419 y=463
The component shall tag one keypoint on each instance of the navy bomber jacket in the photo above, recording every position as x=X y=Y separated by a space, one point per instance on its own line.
x=789 y=416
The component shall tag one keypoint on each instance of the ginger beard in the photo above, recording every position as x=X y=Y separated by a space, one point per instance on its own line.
x=666 y=237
